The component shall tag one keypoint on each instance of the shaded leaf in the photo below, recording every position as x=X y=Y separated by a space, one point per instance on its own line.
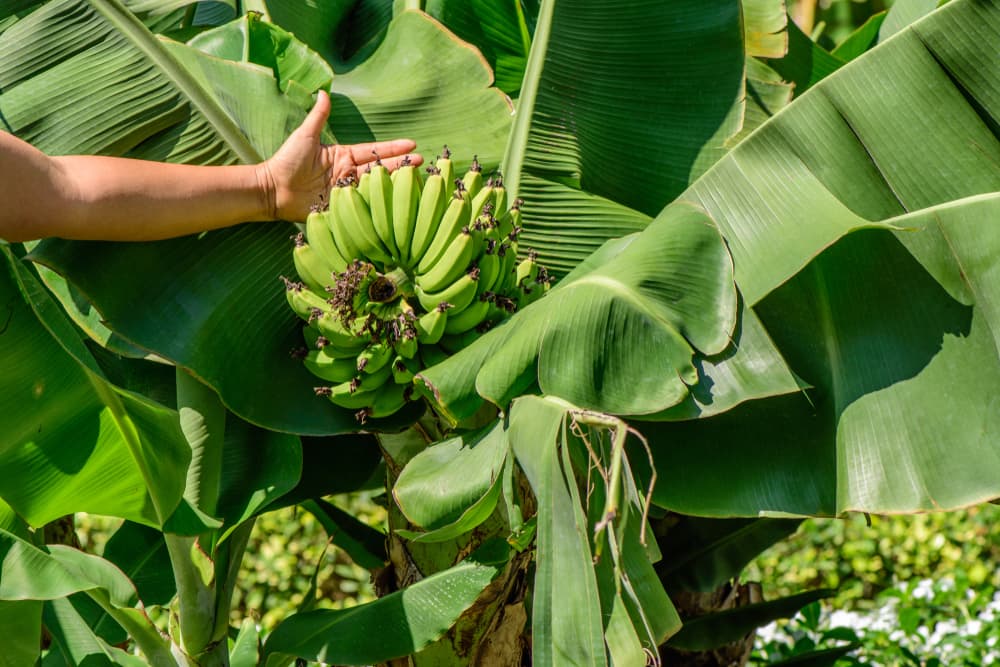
x=141 y=553
x=258 y=468
x=364 y=544
x=819 y=658
x=765 y=23
x=499 y=29
x=703 y=554
x=806 y=62
x=246 y=649
x=720 y=628
x=902 y=13
x=314 y=23
x=29 y=573
x=862 y=39
x=249 y=39
x=334 y=465
x=78 y=642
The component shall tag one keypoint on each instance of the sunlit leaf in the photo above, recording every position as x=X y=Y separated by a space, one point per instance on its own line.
x=393 y=626
x=72 y=441
x=592 y=159
x=669 y=289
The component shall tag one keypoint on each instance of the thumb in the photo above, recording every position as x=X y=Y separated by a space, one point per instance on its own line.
x=314 y=123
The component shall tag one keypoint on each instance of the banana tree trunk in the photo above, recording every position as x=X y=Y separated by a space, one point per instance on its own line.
x=494 y=631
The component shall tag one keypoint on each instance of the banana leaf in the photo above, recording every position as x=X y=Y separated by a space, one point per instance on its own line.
x=894 y=330
x=171 y=102
x=71 y=440
x=765 y=24
x=78 y=642
x=590 y=339
x=720 y=628
x=393 y=626
x=30 y=573
x=872 y=329
x=500 y=29
x=22 y=624
x=597 y=151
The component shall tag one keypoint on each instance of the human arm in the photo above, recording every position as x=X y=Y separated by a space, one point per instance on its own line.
x=119 y=199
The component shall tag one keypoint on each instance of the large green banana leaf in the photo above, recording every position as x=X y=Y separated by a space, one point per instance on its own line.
x=623 y=105
x=501 y=29
x=618 y=334
x=30 y=573
x=71 y=440
x=87 y=77
x=895 y=331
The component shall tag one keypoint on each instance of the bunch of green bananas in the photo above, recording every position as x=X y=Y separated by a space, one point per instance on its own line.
x=397 y=272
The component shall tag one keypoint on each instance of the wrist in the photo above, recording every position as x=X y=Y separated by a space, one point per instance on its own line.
x=267 y=191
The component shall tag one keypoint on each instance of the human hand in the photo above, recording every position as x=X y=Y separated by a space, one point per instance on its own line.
x=300 y=174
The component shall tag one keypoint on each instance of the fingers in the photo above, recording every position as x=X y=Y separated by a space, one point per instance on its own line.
x=313 y=125
x=395 y=163
x=364 y=153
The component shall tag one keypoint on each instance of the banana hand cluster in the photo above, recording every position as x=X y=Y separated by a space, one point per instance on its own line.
x=400 y=271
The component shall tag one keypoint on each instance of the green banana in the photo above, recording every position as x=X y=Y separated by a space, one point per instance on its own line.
x=499 y=195
x=353 y=213
x=481 y=204
x=447 y=169
x=320 y=236
x=345 y=242
x=531 y=293
x=430 y=325
x=406 y=346
x=390 y=400
x=507 y=252
x=404 y=369
x=450 y=244
x=312 y=268
x=304 y=301
x=364 y=184
x=473 y=179
x=454 y=262
x=527 y=272
x=374 y=358
x=406 y=196
x=380 y=204
x=459 y=294
x=342 y=340
x=331 y=369
x=342 y=395
x=455 y=218
x=468 y=318
x=370 y=381
x=433 y=201
x=489 y=271
x=510 y=221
